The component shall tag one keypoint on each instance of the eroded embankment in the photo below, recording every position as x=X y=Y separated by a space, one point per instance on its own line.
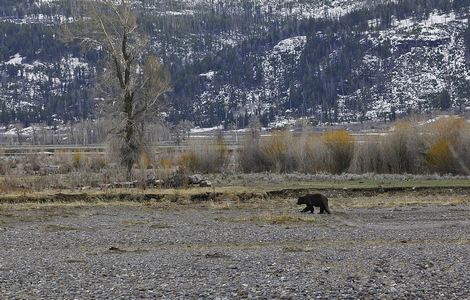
x=197 y=196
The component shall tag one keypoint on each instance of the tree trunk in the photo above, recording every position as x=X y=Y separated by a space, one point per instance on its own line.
x=129 y=146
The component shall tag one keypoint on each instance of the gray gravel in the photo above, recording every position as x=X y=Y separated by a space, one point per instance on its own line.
x=406 y=253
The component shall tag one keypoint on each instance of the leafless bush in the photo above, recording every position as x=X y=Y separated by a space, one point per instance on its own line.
x=13 y=184
x=205 y=157
x=403 y=149
x=462 y=151
x=6 y=166
x=272 y=153
x=250 y=157
x=311 y=154
x=368 y=157
x=280 y=152
x=166 y=164
x=340 y=145
x=32 y=163
x=96 y=162
x=448 y=145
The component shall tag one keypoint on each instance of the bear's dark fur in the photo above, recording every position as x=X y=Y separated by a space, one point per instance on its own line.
x=312 y=200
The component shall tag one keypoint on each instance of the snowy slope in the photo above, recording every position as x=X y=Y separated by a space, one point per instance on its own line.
x=427 y=57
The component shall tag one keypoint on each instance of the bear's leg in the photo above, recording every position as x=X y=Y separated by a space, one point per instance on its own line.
x=322 y=209
x=305 y=209
x=311 y=209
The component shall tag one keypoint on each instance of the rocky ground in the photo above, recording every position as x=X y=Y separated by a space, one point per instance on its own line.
x=221 y=251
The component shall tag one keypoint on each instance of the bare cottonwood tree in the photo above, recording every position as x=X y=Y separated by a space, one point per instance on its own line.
x=133 y=80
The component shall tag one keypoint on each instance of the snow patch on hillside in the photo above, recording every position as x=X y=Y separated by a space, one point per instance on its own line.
x=208 y=75
x=29 y=83
x=425 y=54
x=16 y=59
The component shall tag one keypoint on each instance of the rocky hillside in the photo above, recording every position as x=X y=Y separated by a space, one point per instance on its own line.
x=331 y=61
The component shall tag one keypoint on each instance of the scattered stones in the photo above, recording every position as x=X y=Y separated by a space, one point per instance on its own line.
x=126 y=184
x=196 y=256
x=153 y=183
x=196 y=179
x=105 y=186
x=205 y=183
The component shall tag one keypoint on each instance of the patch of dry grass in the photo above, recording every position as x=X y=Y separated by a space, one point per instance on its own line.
x=273 y=218
x=221 y=205
x=399 y=200
x=244 y=197
x=64 y=205
x=159 y=226
x=182 y=202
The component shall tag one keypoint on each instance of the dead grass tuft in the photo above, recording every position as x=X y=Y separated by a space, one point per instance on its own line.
x=340 y=145
x=276 y=219
x=385 y=201
x=159 y=226
x=220 y=205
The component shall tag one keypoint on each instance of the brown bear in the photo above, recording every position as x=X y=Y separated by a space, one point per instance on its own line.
x=312 y=200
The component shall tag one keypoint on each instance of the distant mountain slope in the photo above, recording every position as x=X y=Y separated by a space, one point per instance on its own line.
x=339 y=60
x=374 y=63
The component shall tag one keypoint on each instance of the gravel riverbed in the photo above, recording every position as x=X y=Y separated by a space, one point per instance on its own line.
x=135 y=252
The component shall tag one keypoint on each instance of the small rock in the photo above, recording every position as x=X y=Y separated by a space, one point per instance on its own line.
x=196 y=179
x=215 y=255
x=205 y=183
x=153 y=182
x=116 y=249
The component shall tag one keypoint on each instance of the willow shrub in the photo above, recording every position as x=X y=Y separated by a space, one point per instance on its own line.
x=340 y=147
x=449 y=146
x=403 y=149
x=209 y=157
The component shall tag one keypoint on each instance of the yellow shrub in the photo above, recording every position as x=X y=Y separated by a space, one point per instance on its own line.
x=275 y=145
x=222 y=151
x=445 y=139
x=440 y=157
x=188 y=161
x=340 y=145
x=206 y=157
x=401 y=148
x=77 y=159
x=449 y=129
x=166 y=163
x=338 y=137
x=145 y=161
x=276 y=152
x=96 y=162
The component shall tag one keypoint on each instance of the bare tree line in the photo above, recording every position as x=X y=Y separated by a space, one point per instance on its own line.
x=82 y=133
